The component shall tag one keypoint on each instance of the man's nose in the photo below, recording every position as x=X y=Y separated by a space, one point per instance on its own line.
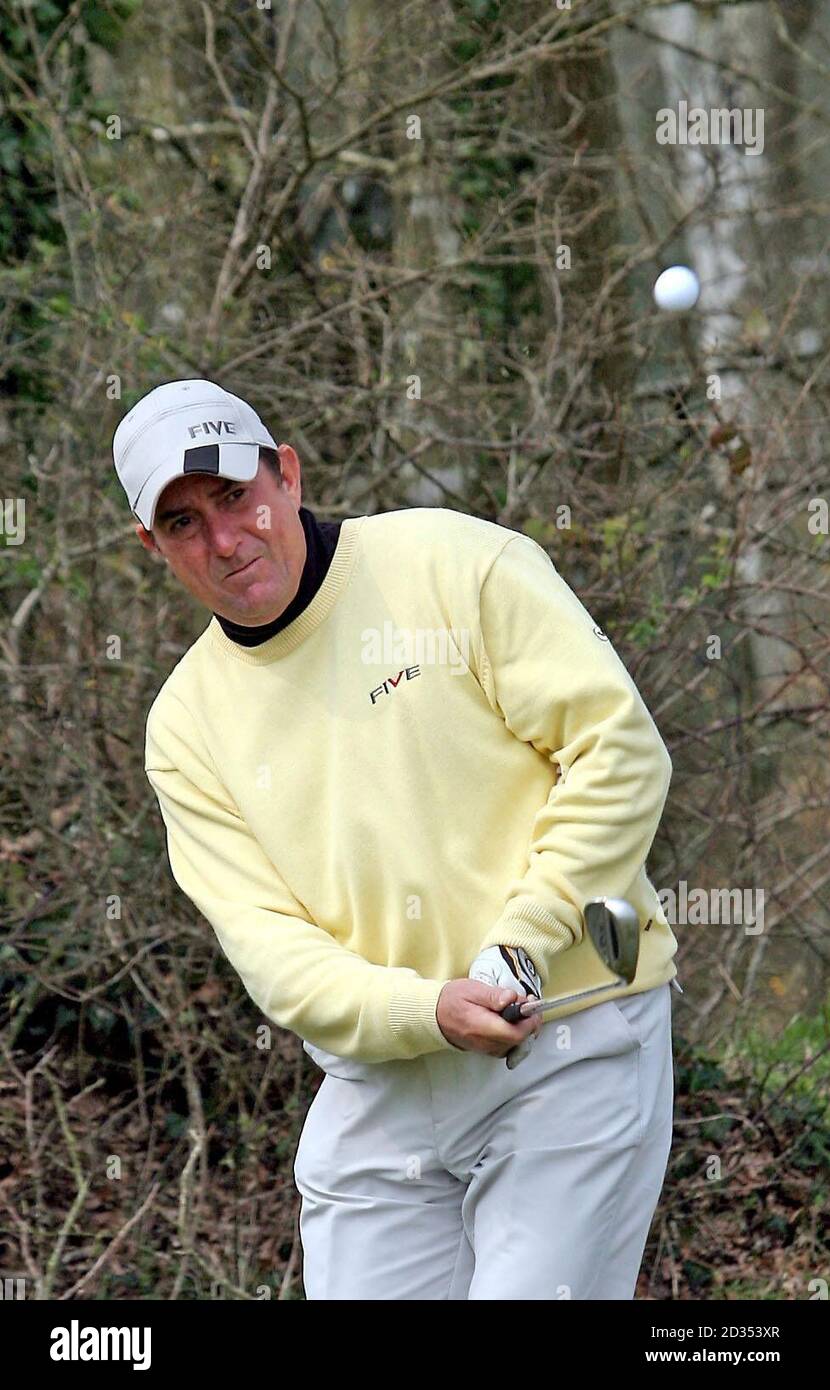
x=223 y=533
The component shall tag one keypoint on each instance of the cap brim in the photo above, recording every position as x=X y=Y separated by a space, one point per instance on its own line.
x=237 y=461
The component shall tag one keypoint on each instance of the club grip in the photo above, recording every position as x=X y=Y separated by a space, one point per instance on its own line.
x=512 y=1013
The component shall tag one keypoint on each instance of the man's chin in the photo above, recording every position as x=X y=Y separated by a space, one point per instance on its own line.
x=251 y=615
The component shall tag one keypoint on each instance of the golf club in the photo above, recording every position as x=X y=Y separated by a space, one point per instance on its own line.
x=614 y=928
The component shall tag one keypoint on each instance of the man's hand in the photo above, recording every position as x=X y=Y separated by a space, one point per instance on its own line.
x=509 y=967
x=468 y=1014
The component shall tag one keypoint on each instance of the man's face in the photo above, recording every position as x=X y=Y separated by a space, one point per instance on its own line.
x=207 y=527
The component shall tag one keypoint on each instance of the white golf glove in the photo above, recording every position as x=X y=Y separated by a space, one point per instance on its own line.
x=509 y=967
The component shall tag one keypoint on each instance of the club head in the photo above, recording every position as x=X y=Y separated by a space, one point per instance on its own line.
x=614 y=928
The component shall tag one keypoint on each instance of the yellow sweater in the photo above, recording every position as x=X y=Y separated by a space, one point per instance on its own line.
x=441 y=753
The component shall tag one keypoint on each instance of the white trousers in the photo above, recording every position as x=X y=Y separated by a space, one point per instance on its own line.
x=451 y=1177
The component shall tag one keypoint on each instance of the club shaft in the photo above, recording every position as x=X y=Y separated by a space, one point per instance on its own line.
x=526 y=1009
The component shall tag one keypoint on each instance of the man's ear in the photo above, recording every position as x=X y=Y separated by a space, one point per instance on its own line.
x=147 y=539
x=291 y=474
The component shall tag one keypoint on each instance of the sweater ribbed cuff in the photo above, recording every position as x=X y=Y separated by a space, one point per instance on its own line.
x=525 y=922
x=412 y=1017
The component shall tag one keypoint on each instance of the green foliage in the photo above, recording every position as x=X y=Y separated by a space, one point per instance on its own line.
x=485 y=11
x=77 y=584
x=502 y=294
x=105 y=22
x=643 y=632
x=542 y=531
x=775 y=1061
x=698 y=1278
x=622 y=541
x=20 y=566
x=175 y=1125
x=31 y=233
x=698 y=1071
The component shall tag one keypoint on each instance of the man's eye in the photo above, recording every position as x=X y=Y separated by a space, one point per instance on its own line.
x=237 y=492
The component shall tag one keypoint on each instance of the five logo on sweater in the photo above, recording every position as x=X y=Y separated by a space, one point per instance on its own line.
x=392 y=682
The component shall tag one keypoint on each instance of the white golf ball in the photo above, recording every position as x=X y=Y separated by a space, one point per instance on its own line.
x=677 y=288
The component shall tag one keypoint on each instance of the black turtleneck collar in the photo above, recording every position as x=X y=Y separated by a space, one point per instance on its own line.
x=321 y=543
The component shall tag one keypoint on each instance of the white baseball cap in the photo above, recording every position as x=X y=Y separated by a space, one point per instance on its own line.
x=184 y=427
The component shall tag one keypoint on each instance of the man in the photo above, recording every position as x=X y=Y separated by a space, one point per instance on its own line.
x=392 y=769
